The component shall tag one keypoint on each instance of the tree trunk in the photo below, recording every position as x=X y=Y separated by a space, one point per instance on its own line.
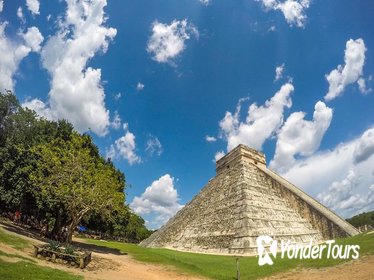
x=70 y=230
x=74 y=223
x=57 y=227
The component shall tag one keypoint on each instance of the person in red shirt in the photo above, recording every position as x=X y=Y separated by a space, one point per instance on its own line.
x=17 y=216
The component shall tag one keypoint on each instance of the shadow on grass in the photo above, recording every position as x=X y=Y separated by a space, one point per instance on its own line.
x=34 y=234
x=19 y=229
x=97 y=248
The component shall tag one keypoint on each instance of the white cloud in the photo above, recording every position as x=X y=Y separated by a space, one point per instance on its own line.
x=279 y=72
x=159 y=200
x=342 y=76
x=205 y=2
x=300 y=137
x=219 y=155
x=364 y=148
x=76 y=90
x=33 y=38
x=153 y=146
x=125 y=147
x=111 y=152
x=139 y=86
x=272 y=28
x=260 y=123
x=40 y=107
x=33 y=6
x=20 y=13
x=210 y=138
x=320 y=172
x=15 y=52
x=116 y=123
x=342 y=196
x=1 y=5
x=168 y=41
x=117 y=96
x=293 y=10
x=362 y=86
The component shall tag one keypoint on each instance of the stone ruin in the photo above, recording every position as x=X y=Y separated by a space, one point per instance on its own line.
x=243 y=201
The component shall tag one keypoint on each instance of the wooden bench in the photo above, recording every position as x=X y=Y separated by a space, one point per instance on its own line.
x=81 y=258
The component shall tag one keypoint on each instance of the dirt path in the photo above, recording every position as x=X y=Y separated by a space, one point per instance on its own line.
x=124 y=267
x=103 y=265
x=362 y=269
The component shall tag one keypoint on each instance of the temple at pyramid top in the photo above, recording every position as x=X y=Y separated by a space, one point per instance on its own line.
x=239 y=154
x=243 y=201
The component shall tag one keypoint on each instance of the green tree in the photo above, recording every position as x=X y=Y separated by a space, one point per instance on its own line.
x=365 y=218
x=16 y=135
x=72 y=175
x=8 y=106
x=21 y=129
x=136 y=230
x=50 y=171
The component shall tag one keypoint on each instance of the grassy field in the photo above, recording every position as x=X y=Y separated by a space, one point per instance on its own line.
x=30 y=271
x=224 y=267
x=25 y=268
x=12 y=240
x=211 y=266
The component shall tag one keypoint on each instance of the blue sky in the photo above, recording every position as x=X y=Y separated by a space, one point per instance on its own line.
x=165 y=87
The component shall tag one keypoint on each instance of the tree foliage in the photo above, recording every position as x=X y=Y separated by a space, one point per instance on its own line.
x=50 y=171
x=71 y=174
x=366 y=218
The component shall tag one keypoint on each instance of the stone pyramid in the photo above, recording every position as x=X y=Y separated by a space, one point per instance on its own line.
x=245 y=200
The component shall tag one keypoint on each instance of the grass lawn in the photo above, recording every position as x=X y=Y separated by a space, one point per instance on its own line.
x=224 y=267
x=29 y=271
x=26 y=268
x=12 y=240
x=15 y=256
